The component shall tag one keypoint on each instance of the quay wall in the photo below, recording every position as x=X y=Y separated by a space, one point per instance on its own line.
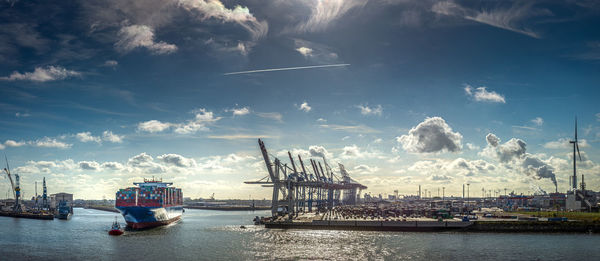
x=424 y=226
x=372 y=225
x=104 y=208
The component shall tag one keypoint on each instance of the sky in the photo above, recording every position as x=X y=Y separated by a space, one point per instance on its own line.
x=96 y=95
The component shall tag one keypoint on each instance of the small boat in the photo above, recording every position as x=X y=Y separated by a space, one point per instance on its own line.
x=115 y=230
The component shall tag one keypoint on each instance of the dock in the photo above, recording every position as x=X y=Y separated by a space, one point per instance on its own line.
x=230 y=208
x=440 y=226
x=45 y=216
x=373 y=225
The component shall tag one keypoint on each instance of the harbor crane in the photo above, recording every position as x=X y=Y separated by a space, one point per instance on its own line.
x=321 y=185
x=16 y=187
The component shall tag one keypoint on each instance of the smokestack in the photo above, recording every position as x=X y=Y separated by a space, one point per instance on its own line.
x=419 y=191
x=463 y=191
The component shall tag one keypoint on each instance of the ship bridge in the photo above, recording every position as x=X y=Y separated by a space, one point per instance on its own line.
x=153 y=183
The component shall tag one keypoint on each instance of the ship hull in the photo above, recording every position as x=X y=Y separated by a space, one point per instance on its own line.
x=148 y=217
x=64 y=216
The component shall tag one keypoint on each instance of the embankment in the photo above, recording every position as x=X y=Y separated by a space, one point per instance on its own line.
x=104 y=208
x=430 y=226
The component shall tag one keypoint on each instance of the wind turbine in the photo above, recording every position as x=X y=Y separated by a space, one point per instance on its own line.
x=575 y=147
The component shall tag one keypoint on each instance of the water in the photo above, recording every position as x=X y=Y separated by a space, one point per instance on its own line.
x=216 y=235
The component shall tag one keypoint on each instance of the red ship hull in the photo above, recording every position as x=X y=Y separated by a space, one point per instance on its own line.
x=115 y=232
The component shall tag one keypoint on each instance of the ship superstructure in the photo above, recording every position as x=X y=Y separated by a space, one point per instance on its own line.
x=150 y=203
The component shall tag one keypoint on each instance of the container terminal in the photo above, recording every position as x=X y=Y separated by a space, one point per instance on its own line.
x=315 y=197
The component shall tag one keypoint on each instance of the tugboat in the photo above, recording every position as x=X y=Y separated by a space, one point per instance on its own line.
x=115 y=230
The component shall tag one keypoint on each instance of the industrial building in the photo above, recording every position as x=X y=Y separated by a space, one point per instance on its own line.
x=55 y=198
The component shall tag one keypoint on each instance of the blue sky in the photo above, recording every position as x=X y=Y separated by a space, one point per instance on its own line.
x=98 y=94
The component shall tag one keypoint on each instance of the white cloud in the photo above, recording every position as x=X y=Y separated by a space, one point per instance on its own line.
x=242 y=48
x=144 y=163
x=12 y=143
x=112 y=166
x=304 y=107
x=431 y=136
x=153 y=126
x=87 y=137
x=318 y=151
x=239 y=136
x=563 y=143
x=598 y=116
x=111 y=63
x=207 y=9
x=508 y=18
x=134 y=36
x=354 y=152
x=240 y=111
x=271 y=115
x=481 y=94
x=22 y=115
x=89 y=165
x=177 y=160
x=538 y=121
x=111 y=137
x=351 y=152
x=202 y=118
x=305 y=51
x=42 y=74
x=471 y=146
x=324 y=12
x=350 y=128
x=366 y=110
x=365 y=169
x=321 y=120
x=316 y=52
x=50 y=143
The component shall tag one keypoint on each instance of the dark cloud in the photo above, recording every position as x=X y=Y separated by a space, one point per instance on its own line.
x=513 y=154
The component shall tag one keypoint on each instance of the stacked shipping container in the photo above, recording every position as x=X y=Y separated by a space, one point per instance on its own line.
x=149 y=196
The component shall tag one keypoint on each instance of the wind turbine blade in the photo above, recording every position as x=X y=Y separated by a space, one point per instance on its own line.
x=575 y=128
x=577 y=146
x=7 y=167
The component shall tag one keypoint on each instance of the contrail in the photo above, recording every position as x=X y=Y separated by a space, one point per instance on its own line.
x=289 y=68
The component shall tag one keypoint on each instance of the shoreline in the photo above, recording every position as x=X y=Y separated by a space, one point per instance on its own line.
x=103 y=208
x=230 y=208
x=436 y=226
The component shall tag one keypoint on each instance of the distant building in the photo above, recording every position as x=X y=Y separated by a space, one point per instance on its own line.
x=55 y=198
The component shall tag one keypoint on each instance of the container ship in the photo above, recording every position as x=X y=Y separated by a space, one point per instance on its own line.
x=149 y=204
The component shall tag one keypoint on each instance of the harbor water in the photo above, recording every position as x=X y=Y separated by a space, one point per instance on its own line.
x=216 y=235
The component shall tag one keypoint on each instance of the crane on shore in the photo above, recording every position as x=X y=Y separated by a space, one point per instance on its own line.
x=15 y=185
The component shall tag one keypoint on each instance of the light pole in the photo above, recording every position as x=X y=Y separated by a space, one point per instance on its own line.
x=443 y=193
x=468 y=195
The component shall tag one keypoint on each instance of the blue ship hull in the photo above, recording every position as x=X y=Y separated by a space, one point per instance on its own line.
x=147 y=217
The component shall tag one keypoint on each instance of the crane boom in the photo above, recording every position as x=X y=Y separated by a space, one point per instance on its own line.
x=12 y=183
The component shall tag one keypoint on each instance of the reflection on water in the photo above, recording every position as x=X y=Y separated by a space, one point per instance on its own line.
x=214 y=235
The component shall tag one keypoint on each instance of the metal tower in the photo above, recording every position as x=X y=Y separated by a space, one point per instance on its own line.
x=575 y=147
x=45 y=195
